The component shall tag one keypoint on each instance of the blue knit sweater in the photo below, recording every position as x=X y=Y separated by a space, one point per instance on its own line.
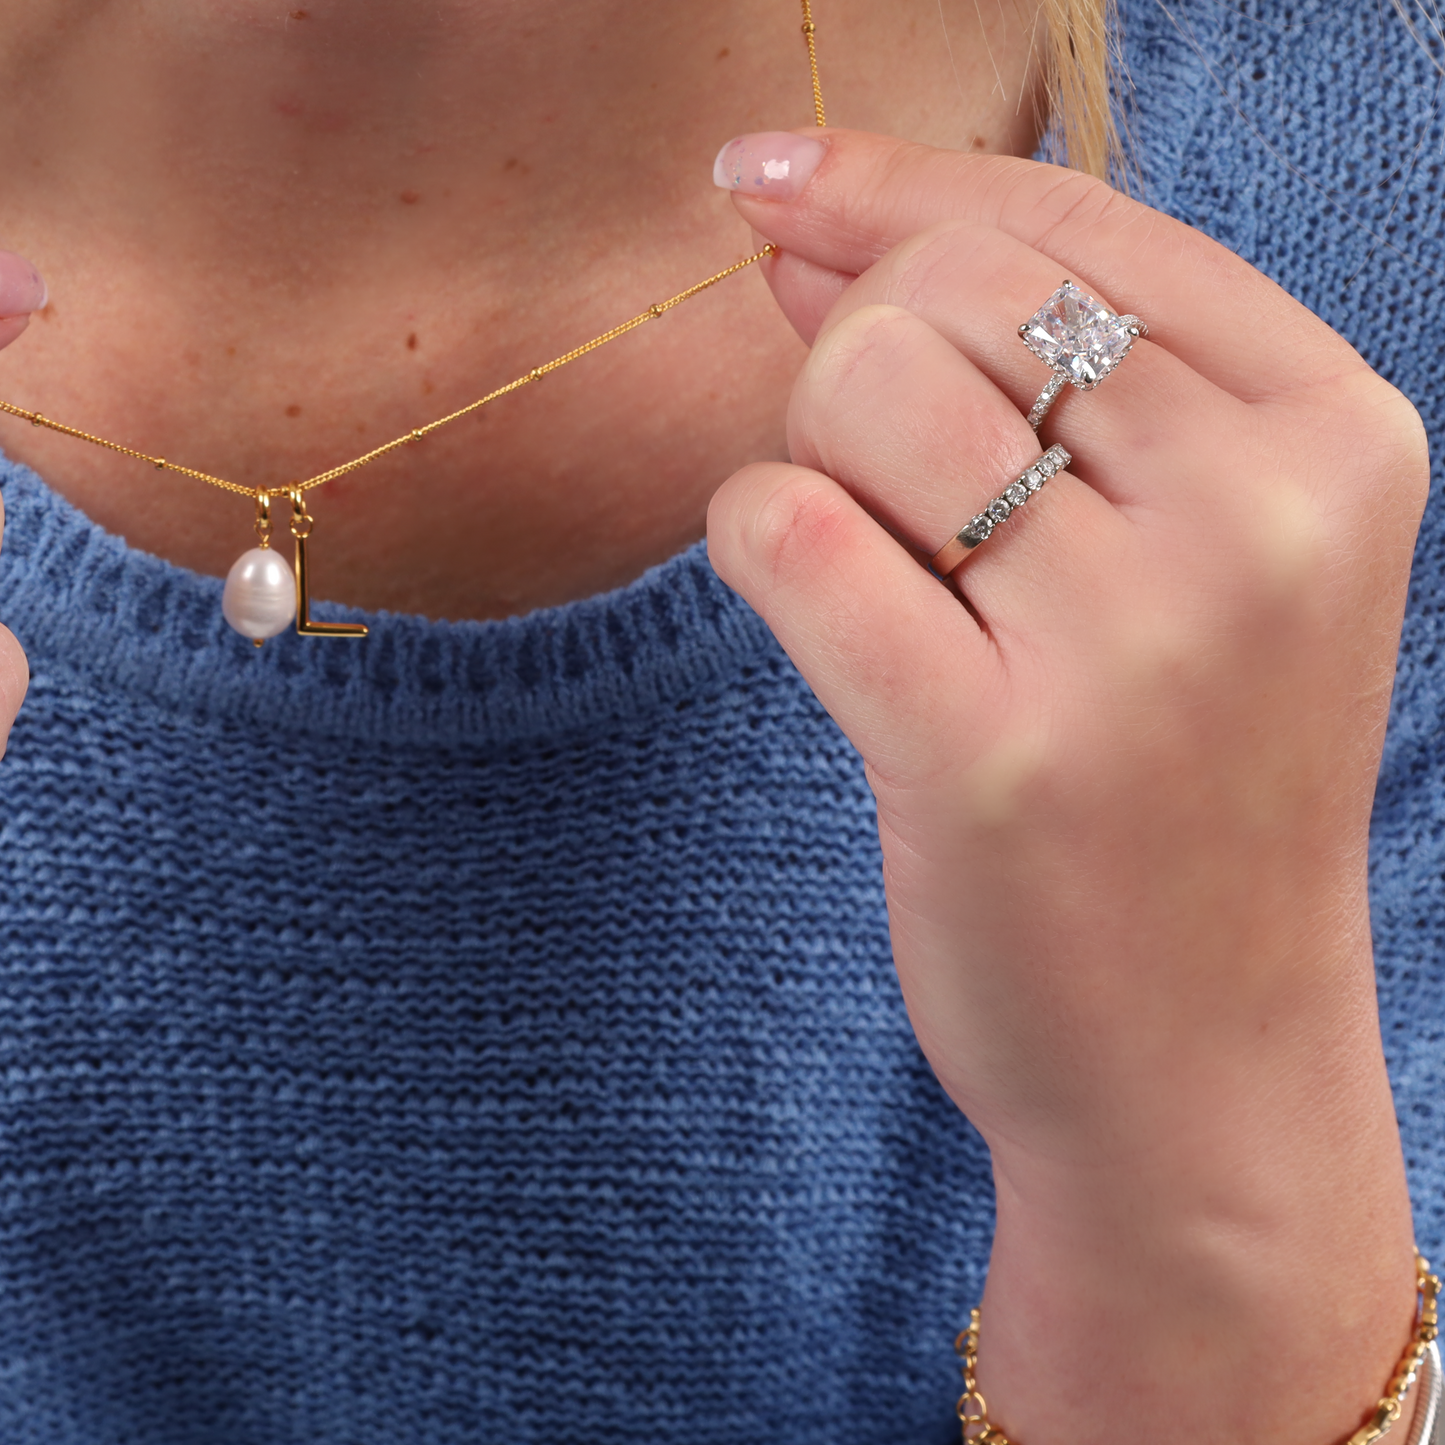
x=488 y=1032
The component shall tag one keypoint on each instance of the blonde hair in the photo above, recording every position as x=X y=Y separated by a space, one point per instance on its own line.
x=1080 y=68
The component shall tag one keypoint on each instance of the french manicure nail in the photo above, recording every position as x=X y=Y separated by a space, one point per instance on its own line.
x=21 y=288
x=772 y=163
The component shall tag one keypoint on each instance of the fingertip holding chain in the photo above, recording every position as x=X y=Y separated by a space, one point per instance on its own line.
x=977 y=1429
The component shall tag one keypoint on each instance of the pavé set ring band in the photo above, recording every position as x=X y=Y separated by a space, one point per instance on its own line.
x=1081 y=340
x=980 y=528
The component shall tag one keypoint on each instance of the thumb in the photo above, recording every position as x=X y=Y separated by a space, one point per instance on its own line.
x=22 y=291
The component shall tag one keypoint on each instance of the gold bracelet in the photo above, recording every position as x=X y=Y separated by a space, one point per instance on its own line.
x=972 y=1410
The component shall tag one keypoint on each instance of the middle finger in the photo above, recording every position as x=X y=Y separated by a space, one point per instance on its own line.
x=1148 y=435
x=925 y=440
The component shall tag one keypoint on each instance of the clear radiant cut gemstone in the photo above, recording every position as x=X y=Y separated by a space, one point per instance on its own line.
x=1016 y=494
x=1078 y=336
x=1034 y=478
x=998 y=509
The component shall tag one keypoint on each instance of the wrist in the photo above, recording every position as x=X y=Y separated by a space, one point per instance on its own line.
x=1236 y=1262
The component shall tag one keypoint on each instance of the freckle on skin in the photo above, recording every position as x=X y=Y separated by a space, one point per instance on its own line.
x=427 y=388
x=724 y=53
x=409 y=198
x=980 y=142
x=411 y=342
x=511 y=164
x=293 y=410
x=300 y=15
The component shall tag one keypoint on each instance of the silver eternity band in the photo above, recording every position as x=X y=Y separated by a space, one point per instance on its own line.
x=1080 y=339
x=980 y=528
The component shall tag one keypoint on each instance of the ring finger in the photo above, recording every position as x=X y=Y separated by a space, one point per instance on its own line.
x=924 y=440
x=1147 y=436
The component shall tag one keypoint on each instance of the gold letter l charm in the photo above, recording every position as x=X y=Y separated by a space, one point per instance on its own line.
x=301 y=524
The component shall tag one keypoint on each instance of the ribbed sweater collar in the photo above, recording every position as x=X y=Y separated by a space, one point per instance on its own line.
x=87 y=606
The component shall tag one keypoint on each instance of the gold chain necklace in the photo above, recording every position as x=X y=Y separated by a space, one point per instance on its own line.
x=276 y=594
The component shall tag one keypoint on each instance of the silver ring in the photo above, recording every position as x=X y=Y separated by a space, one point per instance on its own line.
x=1080 y=339
x=980 y=528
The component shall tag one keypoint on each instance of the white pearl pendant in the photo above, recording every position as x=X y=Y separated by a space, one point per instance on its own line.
x=260 y=596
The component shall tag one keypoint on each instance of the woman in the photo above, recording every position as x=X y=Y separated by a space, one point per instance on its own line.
x=487 y=1030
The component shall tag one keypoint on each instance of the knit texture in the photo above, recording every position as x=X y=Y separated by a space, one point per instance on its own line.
x=487 y=1032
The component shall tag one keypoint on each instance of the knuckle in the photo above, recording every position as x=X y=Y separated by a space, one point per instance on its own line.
x=874 y=340
x=1071 y=200
x=1377 y=437
x=876 y=330
x=1403 y=438
x=1286 y=541
x=792 y=521
x=949 y=257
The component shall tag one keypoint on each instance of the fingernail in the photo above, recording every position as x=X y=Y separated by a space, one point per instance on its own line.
x=772 y=163
x=21 y=288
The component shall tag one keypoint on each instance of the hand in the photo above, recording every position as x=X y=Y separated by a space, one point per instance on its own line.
x=21 y=293
x=1124 y=784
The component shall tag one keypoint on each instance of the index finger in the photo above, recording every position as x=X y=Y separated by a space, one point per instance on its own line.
x=1212 y=310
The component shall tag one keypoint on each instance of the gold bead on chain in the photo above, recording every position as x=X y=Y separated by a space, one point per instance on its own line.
x=978 y=1429
x=262 y=594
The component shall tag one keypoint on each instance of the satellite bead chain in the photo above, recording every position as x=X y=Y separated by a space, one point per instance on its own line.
x=810 y=36
x=657 y=309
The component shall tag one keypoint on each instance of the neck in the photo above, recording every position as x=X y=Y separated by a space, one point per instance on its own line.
x=274 y=239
